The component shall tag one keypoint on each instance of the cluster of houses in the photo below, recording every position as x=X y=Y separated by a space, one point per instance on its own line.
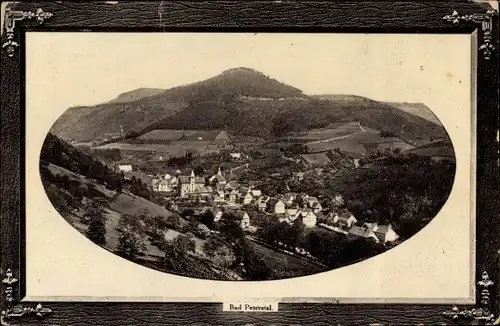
x=166 y=183
x=287 y=209
x=231 y=197
x=346 y=224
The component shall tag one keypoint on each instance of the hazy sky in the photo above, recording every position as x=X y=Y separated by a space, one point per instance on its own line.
x=90 y=68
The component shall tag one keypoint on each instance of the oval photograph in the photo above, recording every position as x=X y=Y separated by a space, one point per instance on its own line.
x=239 y=174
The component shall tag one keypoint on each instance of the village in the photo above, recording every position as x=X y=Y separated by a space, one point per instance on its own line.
x=243 y=202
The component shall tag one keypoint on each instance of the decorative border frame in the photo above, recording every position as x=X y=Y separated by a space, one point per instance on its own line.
x=235 y=16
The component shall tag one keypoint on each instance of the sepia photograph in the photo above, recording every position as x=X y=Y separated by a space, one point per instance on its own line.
x=247 y=157
x=249 y=162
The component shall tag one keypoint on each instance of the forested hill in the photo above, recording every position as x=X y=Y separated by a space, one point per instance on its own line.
x=60 y=153
x=243 y=101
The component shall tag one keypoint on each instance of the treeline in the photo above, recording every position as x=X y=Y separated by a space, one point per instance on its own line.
x=387 y=134
x=138 y=188
x=60 y=153
x=247 y=260
x=109 y=154
x=330 y=248
x=405 y=191
x=180 y=162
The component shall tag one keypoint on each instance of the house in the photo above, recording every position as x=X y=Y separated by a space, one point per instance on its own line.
x=284 y=218
x=333 y=228
x=332 y=218
x=265 y=199
x=154 y=184
x=308 y=218
x=345 y=220
x=231 y=185
x=232 y=196
x=252 y=183
x=244 y=219
x=125 y=168
x=219 y=196
x=247 y=199
x=217 y=212
x=164 y=185
x=167 y=176
x=218 y=178
x=291 y=215
x=384 y=233
x=204 y=192
x=256 y=193
x=189 y=185
x=311 y=200
x=299 y=176
x=289 y=198
x=279 y=207
x=363 y=232
x=316 y=207
x=244 y=190
x=292 y=211
x=261 y=204
x=235 y=156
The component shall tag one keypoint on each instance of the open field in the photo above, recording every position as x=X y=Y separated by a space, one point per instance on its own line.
x=438 y=148
x=55 y=169
x=177 y=148
x=361 y=142
x=337 y=129
x=112 y=220
x=165 y=134
x=348 y=145
x=187 y=135
x=126 y=203
x=283 y=265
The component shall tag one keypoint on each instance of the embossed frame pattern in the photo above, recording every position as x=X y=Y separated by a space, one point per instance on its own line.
x=235 y=16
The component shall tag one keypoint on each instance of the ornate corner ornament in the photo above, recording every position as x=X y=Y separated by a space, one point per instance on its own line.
x=16 y=311
x=10 y=19
x=485 y=19
x=481 y=314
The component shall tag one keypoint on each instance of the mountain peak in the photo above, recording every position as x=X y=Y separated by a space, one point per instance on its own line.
x=242 y=70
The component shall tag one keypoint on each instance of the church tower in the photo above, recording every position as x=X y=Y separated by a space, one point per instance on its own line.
x=192 y=179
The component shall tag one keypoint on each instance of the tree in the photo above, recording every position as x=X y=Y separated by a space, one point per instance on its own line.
x=173 y=221
x=96 y=170
x=57 y=198
x=230 y=228
x=296 y=233
x=187 y=212
x=207 y=218
x=199 y=170
x=210 y=247
x=326 y=246
x=255 y=268
x=337 y=202
x=96 y=231
x=387 y=134
x=359 y=249
x=131 y=239
x=176 y=251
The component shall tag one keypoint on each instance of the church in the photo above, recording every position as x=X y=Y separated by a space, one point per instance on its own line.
x=218 y=178
x=190 y=184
